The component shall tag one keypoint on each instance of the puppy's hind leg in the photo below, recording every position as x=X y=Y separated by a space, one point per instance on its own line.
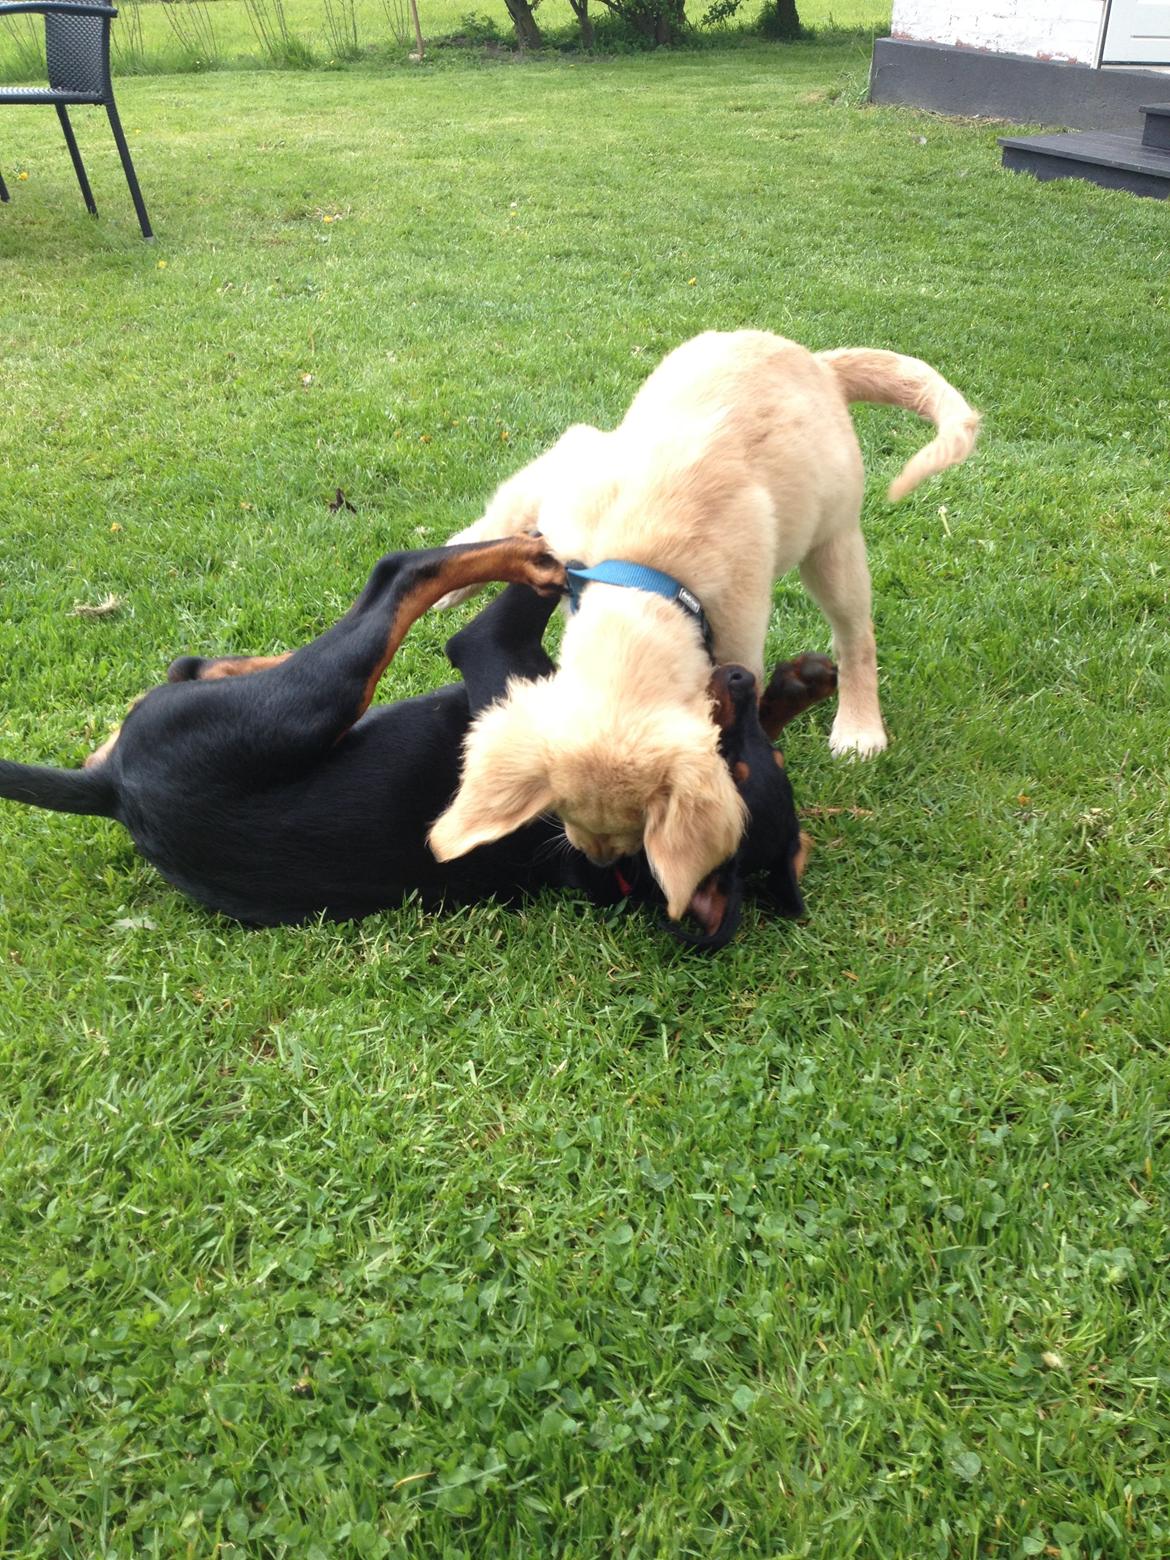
x=336 y=676
x=836 y=576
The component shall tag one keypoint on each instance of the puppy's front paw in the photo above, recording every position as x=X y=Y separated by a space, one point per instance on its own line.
x=455 y=598
x=857 y=740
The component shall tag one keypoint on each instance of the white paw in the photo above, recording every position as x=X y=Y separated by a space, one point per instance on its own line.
x=455 y=598
x=470 y=533
x=857 y=741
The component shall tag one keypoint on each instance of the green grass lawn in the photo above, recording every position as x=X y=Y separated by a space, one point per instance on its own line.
x=528 y=1234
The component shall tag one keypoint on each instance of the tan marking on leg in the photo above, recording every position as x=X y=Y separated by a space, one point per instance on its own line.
x=516 y=560
x=800 y=860
x=239 y=666
x=100 y=754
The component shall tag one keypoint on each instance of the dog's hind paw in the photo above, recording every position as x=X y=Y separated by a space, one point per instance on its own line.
x=857 y=741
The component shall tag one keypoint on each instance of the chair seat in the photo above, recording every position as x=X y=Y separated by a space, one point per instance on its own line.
x=47 y=95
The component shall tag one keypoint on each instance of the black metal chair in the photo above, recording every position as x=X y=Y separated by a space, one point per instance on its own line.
x=77 y=54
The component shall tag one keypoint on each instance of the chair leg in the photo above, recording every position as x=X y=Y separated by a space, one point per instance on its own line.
x=128 y=168
x=3 y=188
x=78 y=165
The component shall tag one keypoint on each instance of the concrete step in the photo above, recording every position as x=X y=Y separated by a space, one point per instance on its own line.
x=1116 y=162
x=1157 y=131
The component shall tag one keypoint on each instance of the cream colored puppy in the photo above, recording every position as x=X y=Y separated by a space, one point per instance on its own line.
x=736 y=462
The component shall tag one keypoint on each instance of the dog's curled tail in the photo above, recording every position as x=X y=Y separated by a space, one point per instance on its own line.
x=60 y=790
x=868 y=374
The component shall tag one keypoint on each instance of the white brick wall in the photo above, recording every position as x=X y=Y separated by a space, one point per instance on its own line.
x=1044 y=29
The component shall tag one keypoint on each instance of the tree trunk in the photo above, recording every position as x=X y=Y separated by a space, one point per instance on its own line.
x=655 y=26
x=787 y=20
x=527 y=32
x=581 y=12
x=672 y=21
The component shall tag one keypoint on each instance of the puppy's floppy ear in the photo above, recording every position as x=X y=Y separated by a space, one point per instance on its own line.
x=505 y=780
x=693 y=824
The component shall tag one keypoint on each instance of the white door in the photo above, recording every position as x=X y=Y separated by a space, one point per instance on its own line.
x=1137 y=33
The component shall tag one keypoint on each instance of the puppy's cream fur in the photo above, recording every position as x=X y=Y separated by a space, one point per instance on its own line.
x=736 y=462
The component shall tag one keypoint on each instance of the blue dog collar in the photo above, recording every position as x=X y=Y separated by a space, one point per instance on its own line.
x=637 y=576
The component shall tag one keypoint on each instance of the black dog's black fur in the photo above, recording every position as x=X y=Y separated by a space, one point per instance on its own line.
x=279 y=796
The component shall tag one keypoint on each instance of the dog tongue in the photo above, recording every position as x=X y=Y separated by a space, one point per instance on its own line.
x=624 y=885
x=709 y=905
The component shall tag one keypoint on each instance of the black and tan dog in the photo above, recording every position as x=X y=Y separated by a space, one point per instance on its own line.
x=268 y=789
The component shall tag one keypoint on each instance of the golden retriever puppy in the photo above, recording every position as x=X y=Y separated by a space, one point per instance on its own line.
x=736 y=462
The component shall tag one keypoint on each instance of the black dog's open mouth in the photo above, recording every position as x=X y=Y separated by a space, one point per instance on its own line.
x=713 y=915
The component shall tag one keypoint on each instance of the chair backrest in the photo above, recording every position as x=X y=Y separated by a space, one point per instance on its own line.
x=77 y=52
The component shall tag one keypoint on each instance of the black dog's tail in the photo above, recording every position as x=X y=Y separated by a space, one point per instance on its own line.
x=61 y=790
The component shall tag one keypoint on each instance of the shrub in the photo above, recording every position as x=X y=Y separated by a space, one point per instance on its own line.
x=654 y=21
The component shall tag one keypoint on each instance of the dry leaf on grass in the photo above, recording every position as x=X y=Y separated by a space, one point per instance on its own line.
x=97 y=609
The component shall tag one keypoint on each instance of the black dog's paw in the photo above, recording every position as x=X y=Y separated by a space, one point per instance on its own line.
x=186 y=668
x=816 y=673
x=794 y=687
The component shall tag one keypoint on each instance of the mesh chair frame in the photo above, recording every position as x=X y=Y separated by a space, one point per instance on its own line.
x=77 y=55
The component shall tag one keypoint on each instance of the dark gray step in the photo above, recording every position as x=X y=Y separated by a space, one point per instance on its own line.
x=1157 y=131
x=1116 y=162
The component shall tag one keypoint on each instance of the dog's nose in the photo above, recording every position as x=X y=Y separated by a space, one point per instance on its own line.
x=604 y=858
x=735 y=683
